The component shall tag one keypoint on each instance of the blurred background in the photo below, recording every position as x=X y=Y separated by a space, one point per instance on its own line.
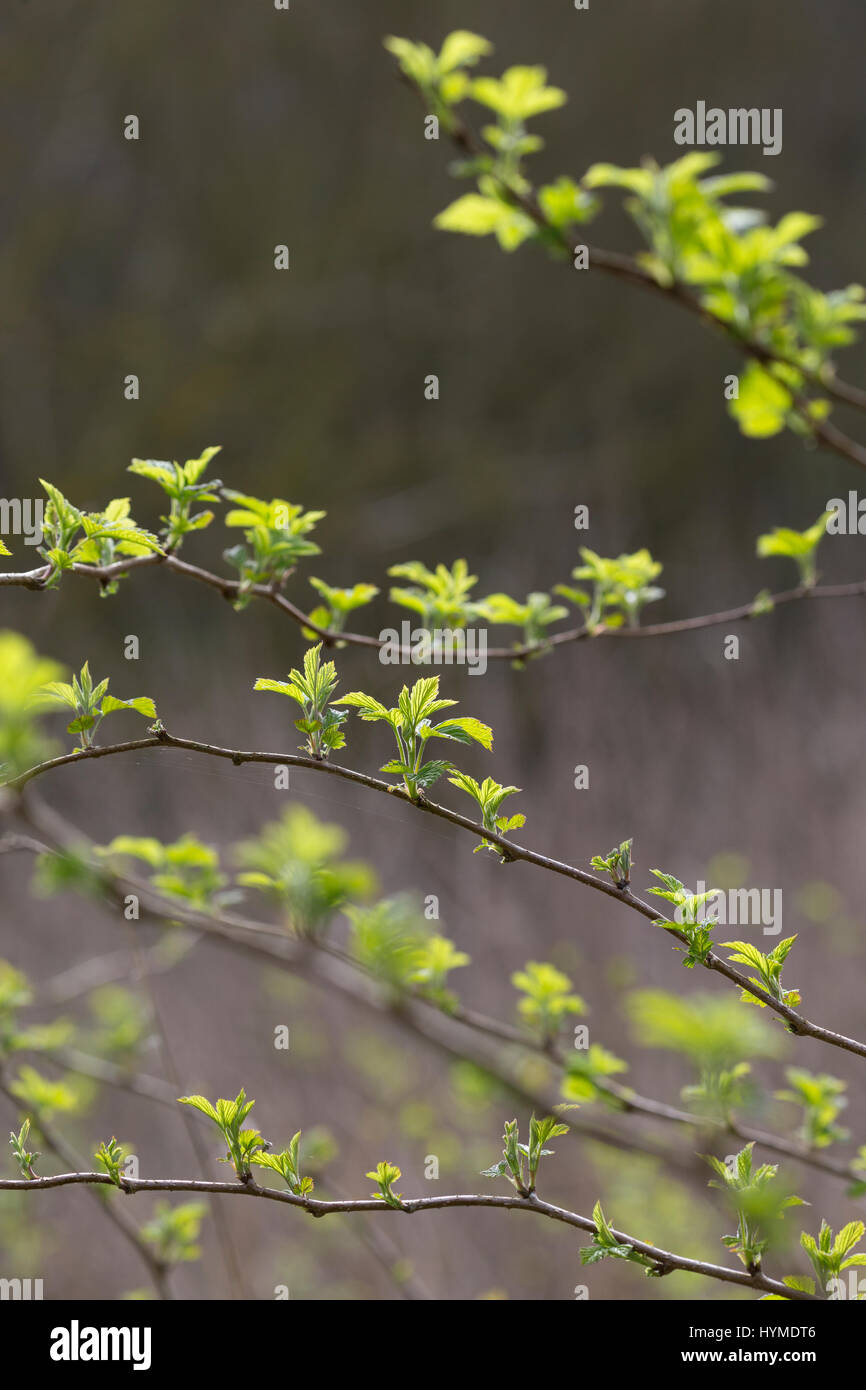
x=155 y=257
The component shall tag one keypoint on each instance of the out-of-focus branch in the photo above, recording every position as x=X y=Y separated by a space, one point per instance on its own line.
x=158 y=1270
x=797 y=1023
x=360 y=984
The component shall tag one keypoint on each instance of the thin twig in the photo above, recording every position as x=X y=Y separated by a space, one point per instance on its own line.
x=796 y=1022
x=665 y=1261
x=628 y=269
x=623 y=1098
x=321 y=964
x=230 y=588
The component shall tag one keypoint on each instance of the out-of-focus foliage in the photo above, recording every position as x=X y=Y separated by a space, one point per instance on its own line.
x=709 y=1029
x=297 y=861
x=392 y=940
x=546 y=998
x=821 y=1099
x=22 y=741
x=173 y=1231
x=187 y=869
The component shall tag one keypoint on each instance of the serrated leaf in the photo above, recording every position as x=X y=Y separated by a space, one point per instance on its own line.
x=142 y=705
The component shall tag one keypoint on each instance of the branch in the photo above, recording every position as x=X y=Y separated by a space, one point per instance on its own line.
x=330 y=969
x=388 y=1256
x=624 y=1099
x=110 y=1074
x=797 y=1023
x=626 y=268
x=35 y=579
x=99 y=970
x=664 y=1260
x=632 y=1102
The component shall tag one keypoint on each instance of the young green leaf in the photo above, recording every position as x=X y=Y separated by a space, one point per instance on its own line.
x=769 y=970
x=411 y=725
x=228 y=1116
x=110 y=1157
x=276 y=535
x=800 y=546
x=24 y=1158
x=385 y=1175
x=605 y=1245
x=618 y=863
x=89 y=702
x=287 y=1164
x=312 y=689
x=184 y=486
